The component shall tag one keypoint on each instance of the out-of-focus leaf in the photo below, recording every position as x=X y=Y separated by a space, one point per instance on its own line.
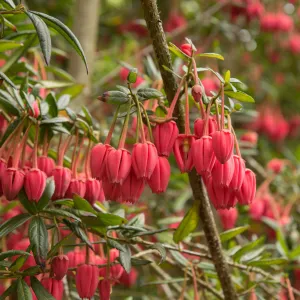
x=11 y=289
x=11 y=253
x=211 y=55
x=267 y=262
x=39 y=290
x=188 y=224
x=231 y=233
x=247 y=248
x=238 y=95
x=23 y=290
x=9 y=107
x=55 y=120
x=148 y=93
x=174 y=49
x=63 y=102
x=125 y=259
x=87 y=115
x=9 y=45
x=162 y=251
x=51 y=100
x=51 y=84
x=13 y=223
x=60 y=73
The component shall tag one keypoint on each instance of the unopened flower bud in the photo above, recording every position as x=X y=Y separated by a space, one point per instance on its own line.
x=12 y=182
x=87 y=277
x=59 y=266
x=35 y=183
x=197 y=92
x=222 y=142
x=187 y=49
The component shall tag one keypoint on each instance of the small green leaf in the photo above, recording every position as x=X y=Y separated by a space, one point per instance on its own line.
x=47 y=194
x=82 y=204
x=38 y=237
x=247 y=248
x=55 y=120
x=39 y=290
x=51 y=100
x=87 y=115
x=7 y=80
x=267 y=262
x=55 y=248
x=114 y=244
x=125 y=258
x=13 y=223
x=162 y=251
x=62 y=74
x=148 y=93
x=108 y=219
x=10 y=3
x=43 y=35
x=62 y=29
x=11 y=253
x=282 y=243
x=211 y=55
x=241 y=96
x=9 y=107
x=140 y=262
x=9 y=45
x=188 y=224
x=171 y=71
x=231 y=233
x=227 y=77
x=52 y=84
x=23 y=290
x=294 y=253
x=174 y=49
x=61 y=212
x=63 y=102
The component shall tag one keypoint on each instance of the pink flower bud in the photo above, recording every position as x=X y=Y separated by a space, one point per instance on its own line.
x=12 y=182
x=239 y=173
x=76 y=186
x=129 y=280
x=118 y=165
x=187 y=49
x=132 y=188
x=165 y=135
x=93 y=191
x=104 y=287
x=203 y=155
x=247 y=191
x=222 y=173
x=222 y=142
x=112 y=191
x=87 y=277
x=257 y=209
x=144 y=159
x=59 y=266
x=116 y=271
x=276 y=165
x=197 y=92
x=34 y=184
x=98 y=160
x=3 y=167
x=36 y=110
x=54 y=287
x=46 y=164
x=250 y=137
x=159 y=179
x=62 y=178
x=76 y=258
x=199 y=126
x=228 y=217
x=182 y=152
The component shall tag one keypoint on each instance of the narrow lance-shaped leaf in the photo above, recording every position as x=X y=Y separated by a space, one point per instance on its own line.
x=13 y=223
x=43 y=35
x=65 y=32
x=39 y=290
x=23 y=290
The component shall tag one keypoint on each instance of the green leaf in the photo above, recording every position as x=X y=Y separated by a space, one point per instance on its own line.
x=231 y=233
x=55 y=120
x=13 y=223
x=52 y=84
x=140 y=262
x=174 y=49
x=9 y=107
x=282 y=242
x=188 y=224
x=40 y=292
x=247 y=248
x=227 y=77
x=125 y=258
x=61 y=129
x=211 y=55
x=148 y=93
x=23 y=290
x=87 y=115
x=53 y=109
x=18 y=53
x=47 y=194
x=241 y=96
x=30 y=206
x=55 y=248
x=60 y=73
x=162 y=251
x=43 y=35
x=12 y=288
x=108 y=219
x=63 y=102
x=61 y=212
x=10 y=3
x=114 y=97
x=38 y=237
x=9 y=45
x=267 y=262
x=11 y=253
x=171 y=71
x=65 y=32
x=114 y=244
x=82 y=204
x=295 y=253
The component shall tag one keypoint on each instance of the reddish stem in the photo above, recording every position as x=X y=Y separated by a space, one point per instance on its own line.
x=62 y=151
x=196 y=294
x=87 y=162
x=74 y=155
x=45 y=146
x=175 y=99
x=222 y=107
x=205 y=131
x=77 y=158
x=187 y=110
x=112 y=127
x=35 y=149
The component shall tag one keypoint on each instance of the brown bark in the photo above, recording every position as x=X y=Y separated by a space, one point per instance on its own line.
x=157 y=34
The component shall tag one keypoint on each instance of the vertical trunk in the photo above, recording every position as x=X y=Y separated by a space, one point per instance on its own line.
x=85 y=27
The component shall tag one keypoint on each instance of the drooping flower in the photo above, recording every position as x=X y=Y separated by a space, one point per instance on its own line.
x=223 y=142
x=247 y=191
x=87 y=277
x=34 y=184
x=59 y=266
x=62 y=178
x=12 y=182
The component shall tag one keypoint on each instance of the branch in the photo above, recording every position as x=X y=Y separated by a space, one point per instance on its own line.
x=158 y=37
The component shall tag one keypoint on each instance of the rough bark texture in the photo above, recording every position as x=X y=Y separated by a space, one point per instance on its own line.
x=157 y=34
x=85 y=27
